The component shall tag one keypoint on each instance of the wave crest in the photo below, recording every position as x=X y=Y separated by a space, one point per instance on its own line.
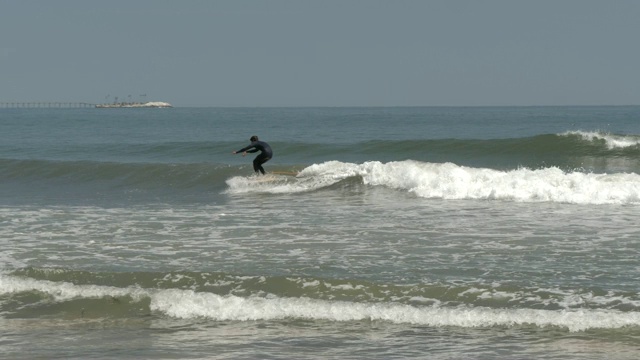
x=454 y=182
x=611 y=141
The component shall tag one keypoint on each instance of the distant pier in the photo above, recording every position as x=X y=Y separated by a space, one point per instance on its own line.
x=77 y=105
x=36 y=105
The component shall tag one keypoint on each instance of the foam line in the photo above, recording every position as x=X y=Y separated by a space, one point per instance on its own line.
x=188 y=304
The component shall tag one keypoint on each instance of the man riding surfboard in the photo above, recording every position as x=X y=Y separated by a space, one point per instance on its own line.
x=265 y=153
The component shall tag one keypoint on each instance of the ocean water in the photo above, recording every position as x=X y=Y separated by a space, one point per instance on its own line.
x=436 y=233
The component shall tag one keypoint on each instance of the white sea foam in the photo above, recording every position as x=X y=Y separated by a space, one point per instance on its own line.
x=188 y=304
x=184 y=304
x=62 y=291
x=451 y=181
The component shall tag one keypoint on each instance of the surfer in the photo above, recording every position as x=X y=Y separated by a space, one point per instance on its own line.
x=256 y=145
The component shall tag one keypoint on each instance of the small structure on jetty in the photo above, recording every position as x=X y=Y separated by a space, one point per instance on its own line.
x=150 y=104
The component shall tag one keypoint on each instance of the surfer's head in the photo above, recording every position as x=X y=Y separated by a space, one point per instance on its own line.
x=253 y=138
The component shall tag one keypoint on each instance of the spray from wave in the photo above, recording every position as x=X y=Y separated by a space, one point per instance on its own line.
x=453 y=182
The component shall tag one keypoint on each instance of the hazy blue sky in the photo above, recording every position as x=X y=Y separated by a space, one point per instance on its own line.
x=322 y=53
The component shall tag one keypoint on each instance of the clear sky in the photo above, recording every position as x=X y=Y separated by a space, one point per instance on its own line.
x=322 y=52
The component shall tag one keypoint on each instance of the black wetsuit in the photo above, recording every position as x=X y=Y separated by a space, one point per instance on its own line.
x=265 y=154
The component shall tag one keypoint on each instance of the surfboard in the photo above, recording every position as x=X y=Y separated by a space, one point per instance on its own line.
x=274 y=177
x=268 y=178
x=287 y=173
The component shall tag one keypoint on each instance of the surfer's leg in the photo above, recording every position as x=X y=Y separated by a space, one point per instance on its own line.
x=256 y=164
x=258 y=161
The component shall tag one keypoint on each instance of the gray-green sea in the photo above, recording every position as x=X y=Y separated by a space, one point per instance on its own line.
x=436 y=233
